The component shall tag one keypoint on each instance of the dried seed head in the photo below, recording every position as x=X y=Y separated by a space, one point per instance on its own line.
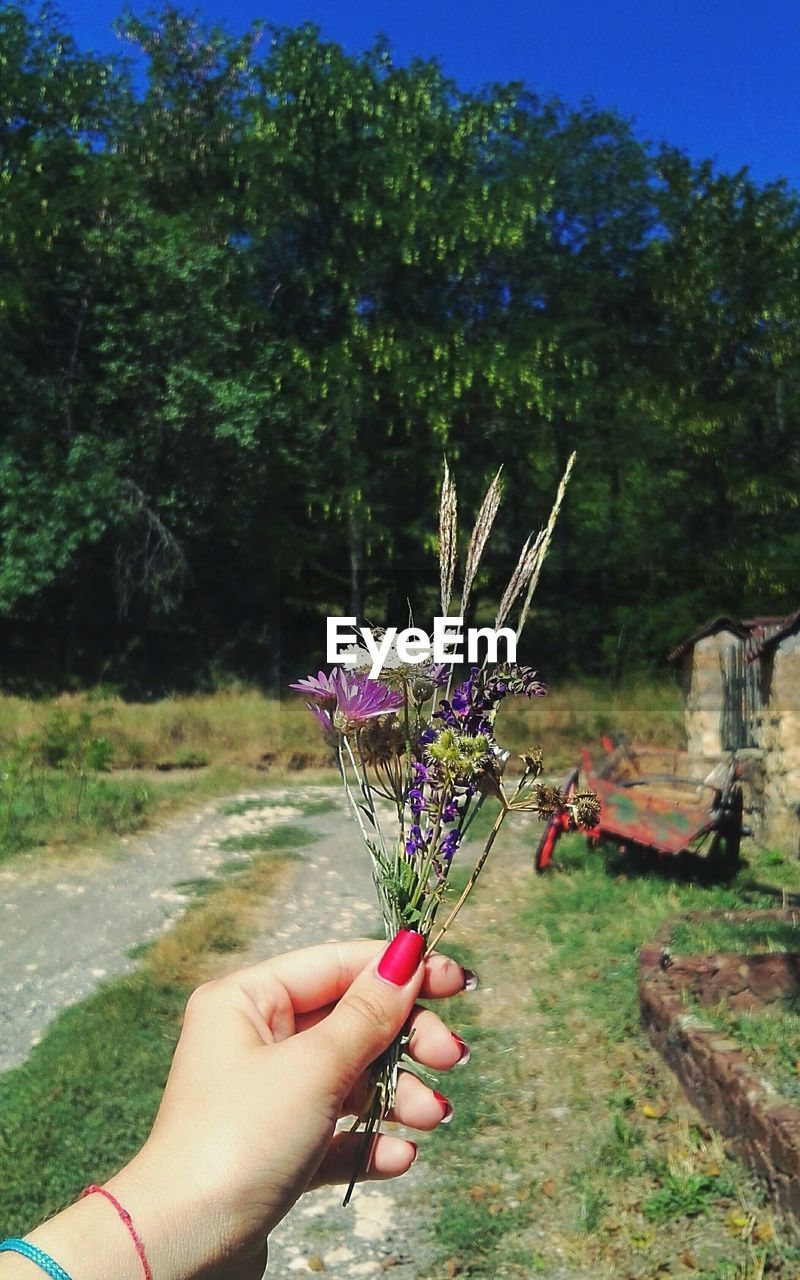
x=382 y=740
x=480 y=536
x=519 y=579
x=448 y=542
x=547 y=800
x=532 y=759
x=584 y=807
x=543 y=545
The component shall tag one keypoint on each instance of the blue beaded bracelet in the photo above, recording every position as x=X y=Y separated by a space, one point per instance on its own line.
x=30 y=1251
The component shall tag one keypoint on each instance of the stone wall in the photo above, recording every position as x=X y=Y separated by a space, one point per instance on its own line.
x=761 y=1126
x=780 y=736
x=702 y=683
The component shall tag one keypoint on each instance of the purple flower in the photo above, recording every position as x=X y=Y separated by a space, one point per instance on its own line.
x=450 y=812
x=416 y=799
x=438 y=673
x=323 y=717
x=416 y=842
x=321 y=688
x=449 y=845
x=358 y=699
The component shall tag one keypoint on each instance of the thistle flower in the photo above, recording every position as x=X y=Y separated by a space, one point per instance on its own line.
x=321 y=688
x=459 y=756
x=359 y=699
x=323 y=718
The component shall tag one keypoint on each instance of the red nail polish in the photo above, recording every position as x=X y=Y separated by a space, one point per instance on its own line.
x=401 y=958
x=464 y=1047
x=446 y=1105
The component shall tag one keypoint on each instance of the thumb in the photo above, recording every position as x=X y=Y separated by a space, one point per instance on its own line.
x=374 y=1009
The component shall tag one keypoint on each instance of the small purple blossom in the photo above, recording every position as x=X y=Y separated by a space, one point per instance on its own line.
x=450 y=812
x=449 y=845
x=416 y=800
x=321 y=688
x=438 y=673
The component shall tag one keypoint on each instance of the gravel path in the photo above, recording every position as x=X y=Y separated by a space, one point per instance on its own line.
x=64 y=929
x=331 y=896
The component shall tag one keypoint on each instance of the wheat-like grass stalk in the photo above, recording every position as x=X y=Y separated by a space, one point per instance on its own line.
x=480 y=536
x=543 y=544
x=448 y=537
x=518 y=580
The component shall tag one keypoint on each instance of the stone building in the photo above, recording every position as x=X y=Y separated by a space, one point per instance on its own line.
x=741 y=685
x=779 y=734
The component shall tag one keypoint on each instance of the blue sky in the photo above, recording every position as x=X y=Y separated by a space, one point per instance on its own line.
x=720 y=78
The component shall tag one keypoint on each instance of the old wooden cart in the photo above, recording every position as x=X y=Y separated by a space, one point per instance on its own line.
x=660 y=812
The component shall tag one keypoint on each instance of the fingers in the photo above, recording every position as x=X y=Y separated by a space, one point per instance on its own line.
x=432 y=1043
x=419 y=1107
x=319 y=976
x=433 y=1046
x=294 y=991
x=370 y=1014
x=390 y=1157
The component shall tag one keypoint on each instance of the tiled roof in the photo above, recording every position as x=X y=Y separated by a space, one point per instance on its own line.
x=787 y=627
x=709 y=628
x=758 y=634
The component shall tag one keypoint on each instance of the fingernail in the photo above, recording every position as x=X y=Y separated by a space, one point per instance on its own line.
x=470 y=980
x=401 y=958
x=416 y=1150
x=464 y=1047
x=446 y=1105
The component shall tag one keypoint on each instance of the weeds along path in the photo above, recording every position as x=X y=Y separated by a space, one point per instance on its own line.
x=65 y=927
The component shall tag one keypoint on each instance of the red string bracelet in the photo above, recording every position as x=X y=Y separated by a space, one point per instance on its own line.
x=126 y=1218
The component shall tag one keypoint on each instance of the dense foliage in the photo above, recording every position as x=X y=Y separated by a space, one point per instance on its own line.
x=247 y=303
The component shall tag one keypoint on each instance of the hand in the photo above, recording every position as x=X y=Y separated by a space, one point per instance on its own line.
x=268 y=1060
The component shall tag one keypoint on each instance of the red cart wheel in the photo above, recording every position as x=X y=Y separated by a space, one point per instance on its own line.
x=555 y=826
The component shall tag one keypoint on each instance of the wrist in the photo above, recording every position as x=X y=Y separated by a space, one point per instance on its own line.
x=179 y=1227
x=182 y=1233
x=186 y=1227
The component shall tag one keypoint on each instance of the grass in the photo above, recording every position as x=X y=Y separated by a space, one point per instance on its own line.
x=770 y=1038
x=573 y=1151
x=281 y=838
x=256 y=804
x=86 y=1096
x=79 y=767
x=578 y=714
x=694 y=937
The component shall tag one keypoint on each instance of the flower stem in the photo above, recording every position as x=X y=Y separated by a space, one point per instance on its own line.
x=498 y=822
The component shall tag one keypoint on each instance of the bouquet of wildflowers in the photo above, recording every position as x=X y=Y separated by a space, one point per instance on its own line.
x=418 y=758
